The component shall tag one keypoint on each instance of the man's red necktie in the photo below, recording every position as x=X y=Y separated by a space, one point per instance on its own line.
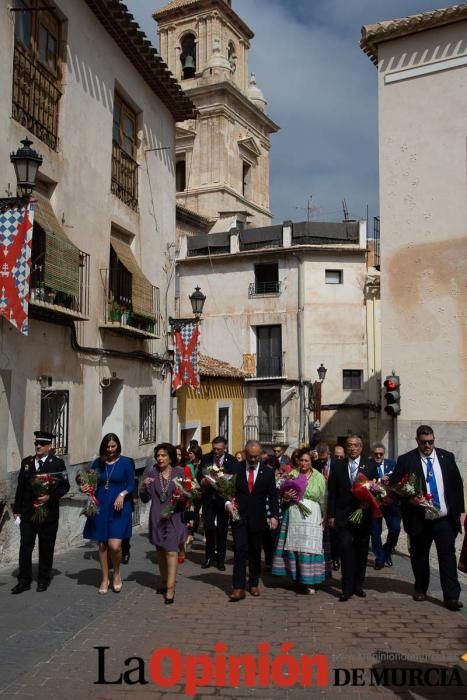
x=251 y=479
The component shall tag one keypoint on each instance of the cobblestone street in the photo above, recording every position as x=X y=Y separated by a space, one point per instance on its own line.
x=48 y=639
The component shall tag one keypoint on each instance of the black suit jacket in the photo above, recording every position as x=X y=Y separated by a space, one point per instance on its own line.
x=341 y=501
x=252 y=506
x=24 y=492
x=209 y=493
x=411 y=463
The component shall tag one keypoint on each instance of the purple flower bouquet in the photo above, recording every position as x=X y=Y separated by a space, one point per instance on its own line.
x=297 y=484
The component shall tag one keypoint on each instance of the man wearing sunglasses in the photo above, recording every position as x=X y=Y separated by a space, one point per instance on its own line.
x=26 y=501
x=391 y=512
x=438 y=475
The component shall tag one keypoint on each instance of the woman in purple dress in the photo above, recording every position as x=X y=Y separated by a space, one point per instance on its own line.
x=167 y=534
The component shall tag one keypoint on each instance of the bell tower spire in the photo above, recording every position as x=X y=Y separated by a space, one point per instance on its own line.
x=223 y=154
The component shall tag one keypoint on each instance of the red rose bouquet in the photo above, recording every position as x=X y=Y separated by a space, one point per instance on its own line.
x=42 y=485
x=362 y=490
x=176 y=503
x=89 y=478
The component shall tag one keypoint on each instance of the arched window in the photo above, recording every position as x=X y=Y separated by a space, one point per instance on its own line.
x=188 y=56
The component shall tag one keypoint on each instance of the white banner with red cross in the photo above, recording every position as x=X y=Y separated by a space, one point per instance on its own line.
x=16 y=223
x=186 y=357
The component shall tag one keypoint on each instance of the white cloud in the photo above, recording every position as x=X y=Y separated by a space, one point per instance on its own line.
x=321 y=89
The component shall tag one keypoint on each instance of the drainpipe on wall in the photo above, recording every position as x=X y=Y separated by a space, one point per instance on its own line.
x=300 y=353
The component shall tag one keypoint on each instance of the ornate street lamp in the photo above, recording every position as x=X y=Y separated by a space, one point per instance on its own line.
x=197 y=302
x=197 y=299
x=26 y=162
x=321 y=372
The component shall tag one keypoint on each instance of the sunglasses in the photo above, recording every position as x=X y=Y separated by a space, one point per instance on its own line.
x=426 y=442
x=378 y=454
x=41 y=444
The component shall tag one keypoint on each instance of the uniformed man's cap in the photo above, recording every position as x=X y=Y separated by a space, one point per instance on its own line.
x=43 y=437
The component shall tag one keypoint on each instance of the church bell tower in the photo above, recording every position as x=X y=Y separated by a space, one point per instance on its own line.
x=222 y=162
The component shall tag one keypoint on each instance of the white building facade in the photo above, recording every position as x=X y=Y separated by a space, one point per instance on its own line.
x=281 y=301
x=422 y=75
x=100 y=107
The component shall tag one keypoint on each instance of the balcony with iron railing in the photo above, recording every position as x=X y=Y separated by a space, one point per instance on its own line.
x=36 y=98
x=61 y=295
x=119 y=313
x=273 y=431
x=265 y=366
x=262 y=289
x=124 y=176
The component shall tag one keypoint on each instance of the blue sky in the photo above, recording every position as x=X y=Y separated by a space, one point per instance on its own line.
x=322 y=91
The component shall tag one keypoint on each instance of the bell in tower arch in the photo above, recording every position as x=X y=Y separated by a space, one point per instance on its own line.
x=189 y=67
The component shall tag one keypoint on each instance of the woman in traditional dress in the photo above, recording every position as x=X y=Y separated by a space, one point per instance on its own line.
x=299 y=551
x=113 y=522
x=168 y=534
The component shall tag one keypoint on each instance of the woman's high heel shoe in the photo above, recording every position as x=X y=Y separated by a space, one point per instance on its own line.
x=169 y=601
x=117 y=586
x=104 y=588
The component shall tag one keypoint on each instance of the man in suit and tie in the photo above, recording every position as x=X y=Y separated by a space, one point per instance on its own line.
x=391 y=512
x=353 y=539
x=255 y=483
x=43 y=462
x=215 y=518
x=439 y=476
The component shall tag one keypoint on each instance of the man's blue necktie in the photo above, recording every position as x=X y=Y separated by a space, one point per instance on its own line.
x=380 y=471
x=431 y=481
x=353 y=470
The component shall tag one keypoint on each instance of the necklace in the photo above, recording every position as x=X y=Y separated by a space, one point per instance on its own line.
x=164 y=484
x=109 y=476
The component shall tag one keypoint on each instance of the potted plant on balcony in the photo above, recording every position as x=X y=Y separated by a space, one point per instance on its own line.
x=49 y=295
x=115 y=311
x=37 y=293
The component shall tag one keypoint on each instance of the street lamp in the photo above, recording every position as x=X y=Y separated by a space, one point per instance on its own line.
x=197 y=300
x=26 y=162
x=321 y=372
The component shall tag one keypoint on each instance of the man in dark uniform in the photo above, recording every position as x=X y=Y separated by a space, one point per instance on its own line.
x=215 y=518
x=43 y=462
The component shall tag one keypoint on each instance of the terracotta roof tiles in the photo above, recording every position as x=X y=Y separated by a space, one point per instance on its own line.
x=374 y=34
x=210 y=367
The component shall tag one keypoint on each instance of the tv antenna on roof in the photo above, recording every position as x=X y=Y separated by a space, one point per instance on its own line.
x=345 y=210
x=309 y=209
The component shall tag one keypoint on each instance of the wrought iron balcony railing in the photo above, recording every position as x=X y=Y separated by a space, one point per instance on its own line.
x=267 y=432
x=124 y=176
x=259 y=289
x=35 y=99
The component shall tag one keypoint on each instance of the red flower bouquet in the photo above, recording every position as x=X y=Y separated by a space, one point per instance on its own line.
x=362 y=490
x=409 y=487
x=42 y=485
x=89 y=477
x=176 y=503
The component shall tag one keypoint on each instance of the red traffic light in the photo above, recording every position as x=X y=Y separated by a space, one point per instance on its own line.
x=391 y=384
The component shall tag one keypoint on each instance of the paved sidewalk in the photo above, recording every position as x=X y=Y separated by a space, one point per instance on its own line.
x=47 y=639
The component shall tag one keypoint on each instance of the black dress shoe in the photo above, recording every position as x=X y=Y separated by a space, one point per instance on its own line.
x=344 y=597
x=20 y=587
x=42 y=586
x=207 y=564
x=336 y=565
x=388 y=561
x=453 y=605
x=221 y=566
x=378 y=566
x=360 y=594
x=419 y=597
x=125 y=558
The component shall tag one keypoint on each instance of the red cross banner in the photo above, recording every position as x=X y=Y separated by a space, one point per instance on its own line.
x=15 y=263
x=186 y=357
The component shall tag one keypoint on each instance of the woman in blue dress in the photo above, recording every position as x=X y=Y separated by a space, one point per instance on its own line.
x=113 y=522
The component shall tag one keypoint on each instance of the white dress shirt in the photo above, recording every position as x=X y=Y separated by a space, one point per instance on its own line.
x=438 y=476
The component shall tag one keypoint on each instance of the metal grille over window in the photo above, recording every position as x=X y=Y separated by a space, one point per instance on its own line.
x=147 y=419
x=54 y=418
x=352 y=379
